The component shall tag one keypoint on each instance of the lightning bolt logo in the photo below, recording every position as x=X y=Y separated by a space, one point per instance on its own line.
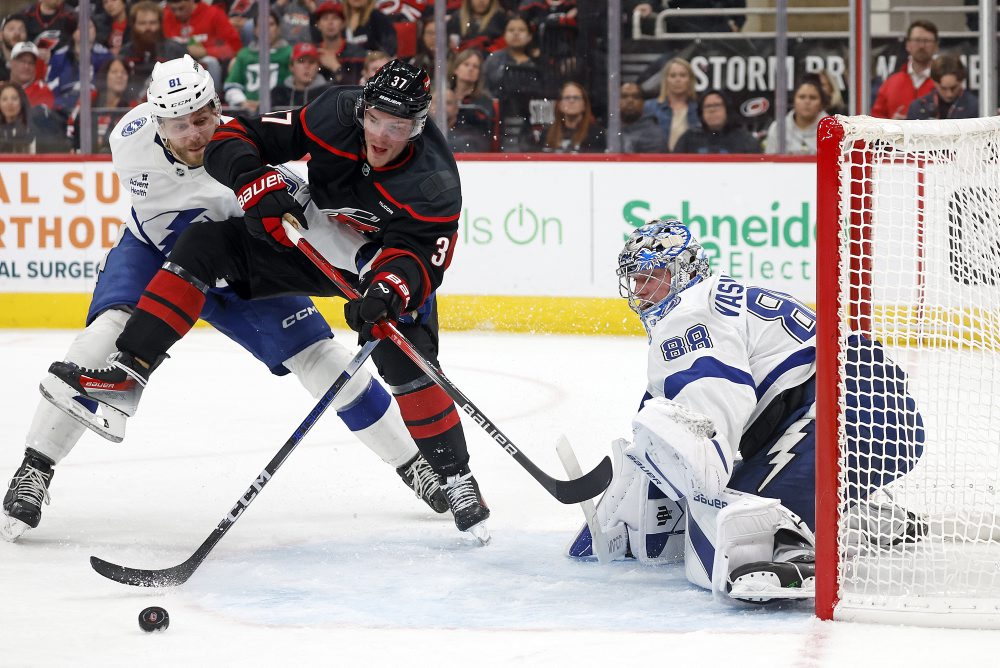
x=781 y=454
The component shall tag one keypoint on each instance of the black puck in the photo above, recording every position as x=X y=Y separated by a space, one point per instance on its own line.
x=154 y=618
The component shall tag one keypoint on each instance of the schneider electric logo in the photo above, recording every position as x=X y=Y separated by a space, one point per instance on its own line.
x=772 y=244
x=521 y=225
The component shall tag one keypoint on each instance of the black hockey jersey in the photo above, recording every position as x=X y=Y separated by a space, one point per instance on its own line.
x=410 y=207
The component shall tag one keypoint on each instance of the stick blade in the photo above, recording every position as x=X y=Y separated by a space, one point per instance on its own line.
x=587 y=486
x=138 y=577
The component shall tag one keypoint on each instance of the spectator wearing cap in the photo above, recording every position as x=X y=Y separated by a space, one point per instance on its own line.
x=304 y=84
x=13 y=31
x=51 y=17
x=949 y=99
x=205 y=31
x=339 y=61
x=244 y=82
x=640 y=132
x=720 y=131
x=22 y=72
x=901 y=88
x=145 y=45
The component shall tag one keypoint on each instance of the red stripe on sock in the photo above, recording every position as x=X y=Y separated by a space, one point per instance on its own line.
x=423 y=404
x=435 y=428
x=173 y=289
x=166 y=314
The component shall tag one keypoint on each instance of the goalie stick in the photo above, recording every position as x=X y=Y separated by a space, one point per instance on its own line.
x=598 y=541
x=179 y=574
x=566 y=491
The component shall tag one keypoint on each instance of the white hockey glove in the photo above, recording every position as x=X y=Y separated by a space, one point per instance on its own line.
x=676 y=448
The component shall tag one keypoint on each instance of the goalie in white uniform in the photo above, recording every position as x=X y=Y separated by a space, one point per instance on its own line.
x=158 y=151
x=722 y=462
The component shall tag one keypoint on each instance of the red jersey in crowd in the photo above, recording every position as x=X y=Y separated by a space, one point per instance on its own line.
x=208 y=26
x=40 y=94
x=897 y=93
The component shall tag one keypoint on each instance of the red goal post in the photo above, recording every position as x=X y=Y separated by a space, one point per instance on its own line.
x=908 y=255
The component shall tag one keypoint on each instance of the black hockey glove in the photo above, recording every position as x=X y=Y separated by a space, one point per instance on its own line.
x=265 y=200
x=384 y=299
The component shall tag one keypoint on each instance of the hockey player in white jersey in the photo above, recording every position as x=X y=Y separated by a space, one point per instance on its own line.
x=158 y=151
x=720 y=469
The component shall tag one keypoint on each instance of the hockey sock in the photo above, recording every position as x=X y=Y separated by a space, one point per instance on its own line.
x=367 y=409
x=433 y=422
x=167 y=310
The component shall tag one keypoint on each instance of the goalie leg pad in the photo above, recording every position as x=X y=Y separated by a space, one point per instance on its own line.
x=673 y=447
x=635 y=518
x=363 y=404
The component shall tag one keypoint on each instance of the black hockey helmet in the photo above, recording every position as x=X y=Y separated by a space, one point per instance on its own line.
x=400 y=89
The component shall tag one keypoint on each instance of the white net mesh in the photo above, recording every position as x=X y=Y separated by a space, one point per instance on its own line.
x=920 y=269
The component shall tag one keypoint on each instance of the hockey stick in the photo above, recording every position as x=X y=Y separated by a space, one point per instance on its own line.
x=179 y=574
x=566 y=491
x=598 y=541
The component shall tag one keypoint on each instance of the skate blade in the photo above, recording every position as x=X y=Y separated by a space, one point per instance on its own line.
x=480 y=532
x=767 y=594
x=11 y=529
x=110 y=423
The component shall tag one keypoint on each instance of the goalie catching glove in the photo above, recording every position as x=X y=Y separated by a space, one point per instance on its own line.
x=384 y=299
x=264 y=197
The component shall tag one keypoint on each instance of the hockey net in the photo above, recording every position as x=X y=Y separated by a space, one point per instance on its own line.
x=908 y=255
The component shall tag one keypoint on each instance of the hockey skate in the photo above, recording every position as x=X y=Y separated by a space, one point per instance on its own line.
x=28 y=489
x=467 y=504
x=792 y=574
x=100 y=399
x=420 y=477
x=767 y=581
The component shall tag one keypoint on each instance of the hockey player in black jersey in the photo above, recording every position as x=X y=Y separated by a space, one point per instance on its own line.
x=377 y=166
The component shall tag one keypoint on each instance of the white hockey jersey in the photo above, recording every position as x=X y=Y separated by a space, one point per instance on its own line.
x=727 y=350
x=167 y=195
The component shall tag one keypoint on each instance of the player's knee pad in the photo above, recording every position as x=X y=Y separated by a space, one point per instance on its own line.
x=319 y=365
x=676 y=448
x=92 y=346
x=745 y=533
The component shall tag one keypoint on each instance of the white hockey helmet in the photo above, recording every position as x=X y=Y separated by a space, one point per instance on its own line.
x=180 y=86
x=659 y=245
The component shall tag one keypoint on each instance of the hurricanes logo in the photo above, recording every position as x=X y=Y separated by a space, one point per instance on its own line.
x=356 y=219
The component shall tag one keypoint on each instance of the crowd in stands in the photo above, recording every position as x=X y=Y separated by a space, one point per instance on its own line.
x=514 y=80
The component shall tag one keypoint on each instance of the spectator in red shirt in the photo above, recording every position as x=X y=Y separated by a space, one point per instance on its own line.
x=22 y=72
x=206 y=31
x=899 y=91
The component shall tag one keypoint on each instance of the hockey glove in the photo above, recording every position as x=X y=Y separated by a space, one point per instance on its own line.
x=384 y=299
x=265 y=200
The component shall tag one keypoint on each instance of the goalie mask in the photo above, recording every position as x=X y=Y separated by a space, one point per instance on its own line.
x=660 y=260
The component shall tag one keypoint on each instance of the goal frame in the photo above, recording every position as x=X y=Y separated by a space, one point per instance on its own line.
x=834 y=220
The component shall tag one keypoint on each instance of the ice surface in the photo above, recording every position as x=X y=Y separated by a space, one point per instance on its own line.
x=335 y=564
